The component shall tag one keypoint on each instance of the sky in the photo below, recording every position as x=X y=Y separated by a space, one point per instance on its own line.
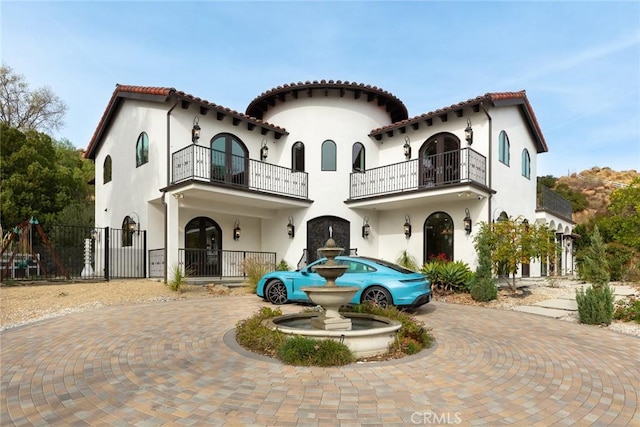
x=578 y=61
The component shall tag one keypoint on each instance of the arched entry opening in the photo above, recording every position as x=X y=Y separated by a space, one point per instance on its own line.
x=318 y=234
x=438 y=236
x=440 y=160
x=203 y=247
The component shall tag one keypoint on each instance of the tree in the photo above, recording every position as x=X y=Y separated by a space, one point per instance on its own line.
x=624 y=215
x=40 y=177
x=26 y=109
x=514 y=242
x=593 y=266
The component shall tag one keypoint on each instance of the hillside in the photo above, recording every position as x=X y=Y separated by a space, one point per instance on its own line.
x=596 y=184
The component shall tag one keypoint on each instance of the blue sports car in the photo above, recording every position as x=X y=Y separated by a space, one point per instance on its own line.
x=380 y=282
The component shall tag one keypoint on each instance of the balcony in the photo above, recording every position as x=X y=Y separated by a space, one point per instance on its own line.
x=552 y=202
x=197 y=163
x=430 y=172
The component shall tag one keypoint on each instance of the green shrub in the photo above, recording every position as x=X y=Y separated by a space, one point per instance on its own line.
x=484 y=289
x=283 y=266
x=619 y=259
x=627 y=310
x=178 y=280
x=303 y=351
x=254 y=270
x=412 y=332
x=592 y=262
x=407 y=261
x=258 y=338
x=633 y=274
x=595 y=305
x=448 y=276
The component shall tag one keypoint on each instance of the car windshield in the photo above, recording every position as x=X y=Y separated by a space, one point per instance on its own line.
x=390 y=265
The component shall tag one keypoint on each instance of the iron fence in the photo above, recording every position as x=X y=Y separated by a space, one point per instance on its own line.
x=221 y=263
x=64 y=252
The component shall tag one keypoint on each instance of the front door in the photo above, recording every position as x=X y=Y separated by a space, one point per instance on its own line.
x=440 y=160
x=318 y=231
x=203 y=247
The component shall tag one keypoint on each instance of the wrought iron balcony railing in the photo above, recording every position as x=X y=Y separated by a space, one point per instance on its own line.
x=438 y=170
x=204 y=164
x=551 y=201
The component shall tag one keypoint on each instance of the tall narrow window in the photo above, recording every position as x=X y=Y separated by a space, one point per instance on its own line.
x=328 y=156
x=503 y=148
x=106 y=170
x=526 y=164
x=357 y=156
x=142 y=149
x=297 y=157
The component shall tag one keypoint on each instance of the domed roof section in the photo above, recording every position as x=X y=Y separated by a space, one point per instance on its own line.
x=394 y=106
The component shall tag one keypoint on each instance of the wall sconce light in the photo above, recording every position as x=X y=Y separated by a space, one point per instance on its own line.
x=236 y=230
x=407 y=147
x=264 y=151
x=366 y=228
x=195 y=131
x=291 y=229
x=467 y=221
x=407 y=226
x=132 y=225
x=468 y=132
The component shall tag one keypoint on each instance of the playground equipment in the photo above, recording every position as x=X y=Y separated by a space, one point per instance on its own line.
x=17 y=251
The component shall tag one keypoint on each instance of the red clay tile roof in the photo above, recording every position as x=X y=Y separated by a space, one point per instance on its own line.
x=162 y=94
x=395 y=107
x=496 y=98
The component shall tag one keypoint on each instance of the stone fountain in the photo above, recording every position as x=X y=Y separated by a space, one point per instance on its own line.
x=366 y=335
x=330 y=296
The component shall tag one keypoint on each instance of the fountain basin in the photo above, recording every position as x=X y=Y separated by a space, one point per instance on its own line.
x=370 y=335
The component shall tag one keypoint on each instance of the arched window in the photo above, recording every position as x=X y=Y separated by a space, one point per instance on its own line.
x=503 y=148
x=357 y=156
x=297 y=157
x=229 y=159
x=128 y=228
x=328 y=156
x=440 y=160
x=526 y=164
x=438 y=237
x=106 y=170
x=142 y=149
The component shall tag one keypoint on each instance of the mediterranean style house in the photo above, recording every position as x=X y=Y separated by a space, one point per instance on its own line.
x=212 y=186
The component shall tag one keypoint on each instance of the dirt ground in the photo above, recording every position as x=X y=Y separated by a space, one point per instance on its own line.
x=29 y=302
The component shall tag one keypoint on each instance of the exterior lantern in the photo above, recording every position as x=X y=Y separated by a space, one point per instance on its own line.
x=366 y=229
x=407 y=226
x=264 y=151
x=467 y=221
x=236 y=230
x=468 y=133
x=132 y=225
x=291 y=229
x=195 y=131
x=407 y=147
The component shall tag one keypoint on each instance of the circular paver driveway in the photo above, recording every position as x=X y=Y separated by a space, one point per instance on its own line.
x=170 y=364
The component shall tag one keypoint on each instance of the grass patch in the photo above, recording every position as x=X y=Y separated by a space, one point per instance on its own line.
x=303 y=351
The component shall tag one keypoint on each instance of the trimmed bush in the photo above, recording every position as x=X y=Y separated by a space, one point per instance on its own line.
x=595 y=305
x=303 y=351
x=484 y=289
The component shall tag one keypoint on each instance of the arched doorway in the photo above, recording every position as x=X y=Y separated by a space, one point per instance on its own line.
x=203 y=247
x=438 y=236
x=318 y=234
x=229 y=159
x=440 y=160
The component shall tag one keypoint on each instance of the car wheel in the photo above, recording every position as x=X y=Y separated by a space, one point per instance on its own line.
x=378 y=296
x=276 y=293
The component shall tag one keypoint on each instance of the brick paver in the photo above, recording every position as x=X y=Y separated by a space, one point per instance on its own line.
x=177 y=364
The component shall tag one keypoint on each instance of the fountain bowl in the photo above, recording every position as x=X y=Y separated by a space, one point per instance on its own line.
x=371 y=335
